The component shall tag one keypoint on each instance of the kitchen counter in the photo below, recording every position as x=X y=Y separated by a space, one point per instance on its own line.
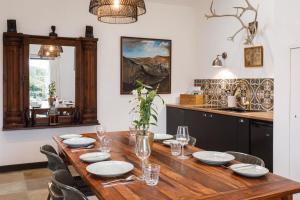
x=263 y=116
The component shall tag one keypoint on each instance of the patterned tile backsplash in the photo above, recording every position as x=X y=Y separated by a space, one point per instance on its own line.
x=259 y=92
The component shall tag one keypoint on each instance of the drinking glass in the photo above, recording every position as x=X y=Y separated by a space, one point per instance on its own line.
x=152 y=172
x=100 y=132
x=175 y=148
x=183 y=138
x=142 y=150
x=105 y=144
x=132 y=131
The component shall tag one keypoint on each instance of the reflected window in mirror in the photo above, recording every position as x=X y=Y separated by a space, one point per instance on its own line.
x=51 y=76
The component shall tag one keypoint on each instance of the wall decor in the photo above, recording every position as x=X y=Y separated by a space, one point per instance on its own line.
x=26 y=77
x=11 y=25
x=146 y=60
x=259 y=91
x=250 y=28
x=254 y=56
x=89 y=32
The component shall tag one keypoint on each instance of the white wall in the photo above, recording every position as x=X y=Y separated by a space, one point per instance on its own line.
x=161 y=21
x=287 y=35
x=213 y=34
x=279 y=31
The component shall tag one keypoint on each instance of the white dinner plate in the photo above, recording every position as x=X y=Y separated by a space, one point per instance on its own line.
x=213 y=157
x=94 y=157
x=110 y=168
x=249 y=170
x=168 y=142
x=79 y=142
x=69 y=136
x=162 y=136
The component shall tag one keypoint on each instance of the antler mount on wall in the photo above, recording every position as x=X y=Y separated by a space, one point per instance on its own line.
x=251 y=28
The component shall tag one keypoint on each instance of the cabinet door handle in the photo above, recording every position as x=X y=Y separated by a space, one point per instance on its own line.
x=268 y=135
x=242 y=121
x=211 y=116
x=204 y=115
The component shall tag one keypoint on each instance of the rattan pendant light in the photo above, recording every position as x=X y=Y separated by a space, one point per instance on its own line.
x=117 y=11
x=50 y=52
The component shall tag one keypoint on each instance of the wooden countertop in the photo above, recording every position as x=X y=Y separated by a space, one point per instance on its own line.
x=263 y=116
x=179 y=179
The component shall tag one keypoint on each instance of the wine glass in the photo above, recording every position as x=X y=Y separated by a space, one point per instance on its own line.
x=142 y=150
x=183 y=138
x=100 y=132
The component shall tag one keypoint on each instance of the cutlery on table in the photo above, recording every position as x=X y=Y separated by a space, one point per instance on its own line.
x=189 y=154
x=83 y=148
x=123 y=180
x=87 y=147
x=245 y=166
x=241 y=167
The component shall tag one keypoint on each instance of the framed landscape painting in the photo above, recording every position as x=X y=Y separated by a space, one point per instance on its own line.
x=146 y=60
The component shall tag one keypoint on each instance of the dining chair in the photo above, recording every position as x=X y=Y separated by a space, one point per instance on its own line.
x=63 y=181
x=56 y=163
x=246 y=158
x=192 y=141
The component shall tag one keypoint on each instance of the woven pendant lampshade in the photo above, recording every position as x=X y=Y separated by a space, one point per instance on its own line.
x=50 y=52
x=117 y=11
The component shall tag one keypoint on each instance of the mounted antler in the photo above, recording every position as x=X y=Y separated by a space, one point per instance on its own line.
x=251 y=28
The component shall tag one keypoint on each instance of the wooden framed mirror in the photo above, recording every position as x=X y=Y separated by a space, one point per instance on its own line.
x=36 y=66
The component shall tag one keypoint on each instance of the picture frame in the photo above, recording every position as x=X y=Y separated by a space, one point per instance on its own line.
x=147 y=60
x=254 y=56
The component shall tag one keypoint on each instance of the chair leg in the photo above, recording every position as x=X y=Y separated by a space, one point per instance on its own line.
x=48 y=198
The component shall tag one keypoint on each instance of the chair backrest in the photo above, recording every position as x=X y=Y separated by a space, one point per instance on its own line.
x=246 y=158
x=54 y=161
x=192 y=141
x=63 y=180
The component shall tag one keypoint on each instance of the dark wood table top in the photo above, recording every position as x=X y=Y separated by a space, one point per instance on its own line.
x=179 y=179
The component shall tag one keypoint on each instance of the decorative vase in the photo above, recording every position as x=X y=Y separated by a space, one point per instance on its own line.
x=51 y=101
x=148 y=134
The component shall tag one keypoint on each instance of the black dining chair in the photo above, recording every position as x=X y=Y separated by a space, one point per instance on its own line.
x=62 y=184
x=56 y=163
x=246 y=158
x=192 y=141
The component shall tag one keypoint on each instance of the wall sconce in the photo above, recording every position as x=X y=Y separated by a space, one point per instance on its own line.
x=217 y=63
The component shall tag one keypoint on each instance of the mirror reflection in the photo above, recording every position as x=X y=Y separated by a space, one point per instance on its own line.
x=51 y=76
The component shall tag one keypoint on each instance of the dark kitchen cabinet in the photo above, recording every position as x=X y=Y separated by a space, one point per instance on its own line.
x=261 y=134
x=197 y=126
x=222 y=133
x=218 y=132
x=175 y=118
x=213 y=132
x=243 y=135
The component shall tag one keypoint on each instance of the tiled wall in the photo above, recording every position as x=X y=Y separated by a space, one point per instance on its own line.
x=260 y=92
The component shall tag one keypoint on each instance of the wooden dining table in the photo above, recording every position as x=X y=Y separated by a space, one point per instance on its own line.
x=179 y=179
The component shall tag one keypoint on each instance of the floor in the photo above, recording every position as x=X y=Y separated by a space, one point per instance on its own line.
x=25 y=185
